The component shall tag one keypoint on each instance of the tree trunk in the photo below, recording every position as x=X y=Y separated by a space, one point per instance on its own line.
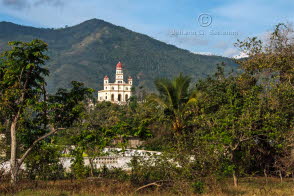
x=14 y=163
x=91 y=167
x=13 y=158
x=265 y=175
x=281 y=177
x=235 y=170
x=235 y=179
x=14 y=175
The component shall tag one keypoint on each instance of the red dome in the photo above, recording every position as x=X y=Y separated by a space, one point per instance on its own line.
x=119 y=65
x=105 y=77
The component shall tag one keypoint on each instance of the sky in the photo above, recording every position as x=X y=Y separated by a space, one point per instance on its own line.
x=206 y=27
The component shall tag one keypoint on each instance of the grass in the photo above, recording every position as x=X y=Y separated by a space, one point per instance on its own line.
x=259 y=186
x=106 y=187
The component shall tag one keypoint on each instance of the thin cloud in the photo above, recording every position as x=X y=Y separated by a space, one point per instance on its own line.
x=221 y=45
x=15 y=3
x=20 y=4
x=231 y=52
x=50 y=2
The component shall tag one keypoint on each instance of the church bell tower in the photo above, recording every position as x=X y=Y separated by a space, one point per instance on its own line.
x=119 y=77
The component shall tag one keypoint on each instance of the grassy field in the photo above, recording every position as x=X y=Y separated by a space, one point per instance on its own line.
x=247 y=187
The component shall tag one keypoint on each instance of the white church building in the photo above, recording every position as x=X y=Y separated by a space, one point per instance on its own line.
x=118 y=92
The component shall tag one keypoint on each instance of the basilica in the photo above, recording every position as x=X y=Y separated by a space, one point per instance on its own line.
x=118 y=92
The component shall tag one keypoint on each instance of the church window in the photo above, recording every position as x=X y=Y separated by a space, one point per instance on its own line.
x=105 y=97
x=112 y=88
x=127 y=88
x=112 y=97
x=119 y=97
x=127 y=97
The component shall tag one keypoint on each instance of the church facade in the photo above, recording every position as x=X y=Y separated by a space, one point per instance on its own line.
x=118 y=92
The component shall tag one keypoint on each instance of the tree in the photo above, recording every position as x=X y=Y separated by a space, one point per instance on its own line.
x=228 y=112
x=22 y=90
x=270 y=63
x=273 y=58
x=21 y=84
x=44 y=162
x=173 y=97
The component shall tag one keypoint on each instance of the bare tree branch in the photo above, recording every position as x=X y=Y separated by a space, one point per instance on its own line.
x=53 y=130
x=153 y=184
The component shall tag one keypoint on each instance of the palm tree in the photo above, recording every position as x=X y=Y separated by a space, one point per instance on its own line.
x=174 y=96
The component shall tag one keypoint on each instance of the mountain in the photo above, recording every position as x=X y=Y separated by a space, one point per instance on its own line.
x=90 y=50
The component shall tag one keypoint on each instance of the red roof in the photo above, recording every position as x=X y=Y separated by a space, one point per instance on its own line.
x=105 y=77
x=119 y=65
x=130 y=78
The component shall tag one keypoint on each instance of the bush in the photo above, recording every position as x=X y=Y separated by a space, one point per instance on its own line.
x=153 y=169
x=198 y=187
x=44 y=163
x=78 y=169
x=114 y=173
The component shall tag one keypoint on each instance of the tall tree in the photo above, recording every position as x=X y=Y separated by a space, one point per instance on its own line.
x=173 y=97
x=22 y=80
x=22 y=89
x=273 y=57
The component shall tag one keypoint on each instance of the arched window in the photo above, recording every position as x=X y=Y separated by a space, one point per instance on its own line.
x=126 y=97
x=119 y=97
x=112 y=97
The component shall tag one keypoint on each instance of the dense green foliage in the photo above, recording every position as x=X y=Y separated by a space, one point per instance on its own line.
x=44 y=163
x=227 y=124
x=173 y=98
x=89 y=51
x=30 y=116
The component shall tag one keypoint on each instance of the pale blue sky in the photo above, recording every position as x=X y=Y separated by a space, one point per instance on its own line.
x=160 y=18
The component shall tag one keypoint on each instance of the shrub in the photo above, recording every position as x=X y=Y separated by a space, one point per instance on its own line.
x=153 y=169
x=44 y=163
x=198 y=187
x=78 y=169
x=114 y=173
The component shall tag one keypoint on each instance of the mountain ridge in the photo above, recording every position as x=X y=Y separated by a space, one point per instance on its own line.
x=87 y=51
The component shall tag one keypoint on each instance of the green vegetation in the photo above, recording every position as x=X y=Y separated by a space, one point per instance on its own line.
x=29 y=113
x=248 y=187
x=227 y=134
x=173 y=98
x=89 y=51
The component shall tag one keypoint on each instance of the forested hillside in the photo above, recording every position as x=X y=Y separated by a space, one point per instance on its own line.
x=90 y=50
